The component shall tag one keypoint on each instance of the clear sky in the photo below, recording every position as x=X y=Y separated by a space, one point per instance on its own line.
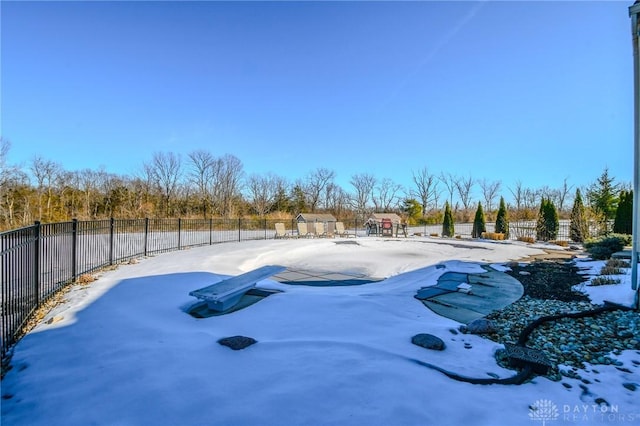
x=530 y=91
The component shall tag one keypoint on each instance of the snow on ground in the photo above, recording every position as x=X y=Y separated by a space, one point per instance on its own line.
x=123 y=351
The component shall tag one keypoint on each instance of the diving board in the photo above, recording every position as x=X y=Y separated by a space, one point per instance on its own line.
x=227 y=293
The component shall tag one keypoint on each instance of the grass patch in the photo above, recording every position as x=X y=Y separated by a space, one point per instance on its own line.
x=496 y=236
x=618 y=263
x=529 y=240
x=602 y=280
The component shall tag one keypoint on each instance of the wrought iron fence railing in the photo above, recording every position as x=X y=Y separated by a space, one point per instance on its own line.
x=39 y=260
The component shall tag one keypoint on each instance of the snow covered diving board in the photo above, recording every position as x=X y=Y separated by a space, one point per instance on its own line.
x=227 y=293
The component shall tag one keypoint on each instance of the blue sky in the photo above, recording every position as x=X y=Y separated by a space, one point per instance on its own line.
x=529 y=91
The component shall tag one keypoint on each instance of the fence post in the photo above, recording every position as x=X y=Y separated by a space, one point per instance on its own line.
x=111 y=240
x=210 y=231
x=146 y=235
x=74 y=249
x=265 y=228
x=239 y=234
x=36 y=260
x=179 y=231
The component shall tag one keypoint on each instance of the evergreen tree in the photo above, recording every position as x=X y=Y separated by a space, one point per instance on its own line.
x=602 y=199
x=413 y=210
x=548 y=223
x=552 y=221
x=447 y=224
x=541 y=226
x=578 y=227
x=623 y=222
x=502 y=222
x=479 y=225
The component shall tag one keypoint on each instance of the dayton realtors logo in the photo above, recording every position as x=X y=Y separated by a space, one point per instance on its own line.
x=543 y=410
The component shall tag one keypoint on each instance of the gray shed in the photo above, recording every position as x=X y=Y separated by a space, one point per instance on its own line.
x=328 y=219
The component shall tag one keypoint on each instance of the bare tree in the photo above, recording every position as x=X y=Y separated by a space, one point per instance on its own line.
x=518 y=194
x=530 y=199
x=263 y=191
x=548 y=193
x=315 y=184
x=449 y=182
x=226 y=184
x=363 y=185
x=489 y=193
x=201 y=168
x=45 y=173
x=385 y=195
x=68 y=188
x=12 y=181
x=165 y=168
x=426 y=188
x=463 y=187
x=87 y=186
x=563 y=192
x=336 y=199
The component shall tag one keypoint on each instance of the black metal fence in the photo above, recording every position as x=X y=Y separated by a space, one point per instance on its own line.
x=39 y=260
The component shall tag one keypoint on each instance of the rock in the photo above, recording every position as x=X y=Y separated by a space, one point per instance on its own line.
x=625 y=334
x=428 y=341
x=55 y=319
x=480 y=326
x=631 y=386
x=237 y=342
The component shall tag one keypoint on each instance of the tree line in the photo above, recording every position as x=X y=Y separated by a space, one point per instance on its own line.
x=203 y=185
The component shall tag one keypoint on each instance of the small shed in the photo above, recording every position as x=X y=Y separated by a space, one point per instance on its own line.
x=328 y=219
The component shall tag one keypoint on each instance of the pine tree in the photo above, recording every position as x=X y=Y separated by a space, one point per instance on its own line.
x=602 y=199
x=479 y=225
x=502 y=222
x=548 y=223
x=623 y=222
x=552 y=222
x=447 y=224
x=578 y=227
x=541 y=227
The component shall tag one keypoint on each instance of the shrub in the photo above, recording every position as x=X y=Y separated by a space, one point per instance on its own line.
x=602 y=248
x=498 y=236
x=604 y=281
x=623 y=222
x=560 y=243
x=618 y=263
x=529 y=240
x=447 y=223
x=610 y=270
x=85 y=279
x=548 y=224
x=578 y=227
x=502 y=222
x=434 y=234
x=479 y=224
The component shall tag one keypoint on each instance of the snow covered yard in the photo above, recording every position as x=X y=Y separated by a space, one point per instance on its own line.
x=124 y=351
